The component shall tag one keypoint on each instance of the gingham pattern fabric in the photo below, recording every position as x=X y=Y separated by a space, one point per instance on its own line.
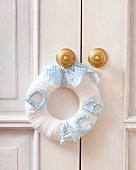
x=93 y=74
x=32 y=102
x=93 y=106
x=74 y=74
x=66 y=132
x=53 y=74
x=78 y=126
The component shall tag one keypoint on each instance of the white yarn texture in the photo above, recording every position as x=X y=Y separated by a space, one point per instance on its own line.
x=48 y=125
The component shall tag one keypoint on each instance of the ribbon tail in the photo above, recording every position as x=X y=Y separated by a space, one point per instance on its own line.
x=53 y=81
x=94 y=76
x=75 y=78
x=75 y=81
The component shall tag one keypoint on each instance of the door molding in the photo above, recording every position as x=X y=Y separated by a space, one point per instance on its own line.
x=19 y=120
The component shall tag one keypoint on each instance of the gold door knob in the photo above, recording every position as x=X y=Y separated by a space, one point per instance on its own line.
x=97 y=57
x=65 y=57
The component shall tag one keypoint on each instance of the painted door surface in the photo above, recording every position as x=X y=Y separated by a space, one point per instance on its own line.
x=31 y=33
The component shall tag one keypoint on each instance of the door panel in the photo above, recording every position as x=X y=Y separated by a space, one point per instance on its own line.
x=103 y=26
x=59 y=28
x=129 y=87
x=18 y=141
x=8 y=49
x=16 y=149
x=15 y=54
x=10 y=156
x=132 y=98
x=131 y=150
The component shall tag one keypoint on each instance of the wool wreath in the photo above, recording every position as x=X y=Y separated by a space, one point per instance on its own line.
x=79 y=78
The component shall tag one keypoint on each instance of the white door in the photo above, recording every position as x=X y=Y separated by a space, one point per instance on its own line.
x=31 y=33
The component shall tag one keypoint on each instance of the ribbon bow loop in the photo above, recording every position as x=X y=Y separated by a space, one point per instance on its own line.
x=53 y=73
x=73 y=75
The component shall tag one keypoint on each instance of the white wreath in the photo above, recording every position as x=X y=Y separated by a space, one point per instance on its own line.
x=75 y=78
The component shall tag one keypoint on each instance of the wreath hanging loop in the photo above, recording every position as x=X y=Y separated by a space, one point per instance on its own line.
x=82 y=80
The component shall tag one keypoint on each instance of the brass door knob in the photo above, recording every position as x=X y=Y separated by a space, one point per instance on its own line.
x=97 y=57
x=65 y=57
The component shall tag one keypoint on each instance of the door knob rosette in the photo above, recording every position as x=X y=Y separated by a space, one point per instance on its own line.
x=97 y=57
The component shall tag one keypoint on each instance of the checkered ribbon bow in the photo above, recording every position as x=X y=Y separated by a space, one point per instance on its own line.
x=74 y=74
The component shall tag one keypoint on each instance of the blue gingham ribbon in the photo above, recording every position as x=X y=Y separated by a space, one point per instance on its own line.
x=93 y=106
x=74 y=74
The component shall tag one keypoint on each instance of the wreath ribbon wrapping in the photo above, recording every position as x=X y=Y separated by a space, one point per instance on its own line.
x=77 y=78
